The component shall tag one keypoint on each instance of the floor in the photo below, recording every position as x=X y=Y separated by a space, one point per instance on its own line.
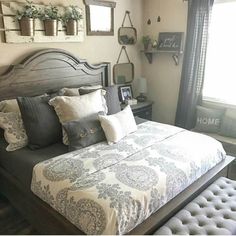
x=11 y=222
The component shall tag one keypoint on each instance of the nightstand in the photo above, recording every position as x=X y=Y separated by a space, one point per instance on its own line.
x=142 y=109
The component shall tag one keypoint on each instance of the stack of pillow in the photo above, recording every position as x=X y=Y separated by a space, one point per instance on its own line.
x=218 y=121
x=82 y=116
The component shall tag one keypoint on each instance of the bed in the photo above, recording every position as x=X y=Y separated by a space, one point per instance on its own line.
x=48 y=71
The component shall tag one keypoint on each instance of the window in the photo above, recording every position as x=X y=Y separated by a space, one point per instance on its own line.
x=220 y=73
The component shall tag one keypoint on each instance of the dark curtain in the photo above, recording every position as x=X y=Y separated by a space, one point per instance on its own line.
x=199 y=12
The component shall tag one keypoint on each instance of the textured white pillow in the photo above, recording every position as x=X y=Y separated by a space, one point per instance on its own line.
x=9 y=106
x=14 y=131
x=119 y=125
x=78 y=107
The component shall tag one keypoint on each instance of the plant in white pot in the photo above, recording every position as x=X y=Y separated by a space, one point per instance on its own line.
x=26 y=18
x=71 y=18
x=50 y=17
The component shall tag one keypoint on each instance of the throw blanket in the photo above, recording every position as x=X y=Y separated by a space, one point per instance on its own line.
x=106 y=189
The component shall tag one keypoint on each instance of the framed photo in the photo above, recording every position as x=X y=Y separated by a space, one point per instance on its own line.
x=125 y=93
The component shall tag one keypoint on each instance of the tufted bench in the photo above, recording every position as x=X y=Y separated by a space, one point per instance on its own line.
x=212 y=212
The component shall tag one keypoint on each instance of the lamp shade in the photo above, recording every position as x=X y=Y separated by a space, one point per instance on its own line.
x=142 y=85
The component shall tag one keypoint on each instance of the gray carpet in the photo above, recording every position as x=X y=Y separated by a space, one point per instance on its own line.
x=11 y=222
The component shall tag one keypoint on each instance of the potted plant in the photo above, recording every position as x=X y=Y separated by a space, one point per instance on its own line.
x=146 y=42
x=71 y=18
x=50 y=17
x=26 y=18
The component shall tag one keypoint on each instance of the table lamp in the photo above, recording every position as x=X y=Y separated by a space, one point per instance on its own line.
x=142 y=84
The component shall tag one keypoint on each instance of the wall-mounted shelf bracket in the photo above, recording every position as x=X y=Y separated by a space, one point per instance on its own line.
x=175 y=55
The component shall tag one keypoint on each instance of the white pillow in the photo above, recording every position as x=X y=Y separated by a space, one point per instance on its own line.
x=78 y=107
x=119 y=125
x=69 y=92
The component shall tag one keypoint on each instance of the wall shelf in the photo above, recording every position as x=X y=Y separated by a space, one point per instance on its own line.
x=149 y=55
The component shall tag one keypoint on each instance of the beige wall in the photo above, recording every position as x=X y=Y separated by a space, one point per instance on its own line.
x=162 y=75
x=94 y=49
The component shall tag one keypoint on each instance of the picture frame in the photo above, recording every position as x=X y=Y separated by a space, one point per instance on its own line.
x=125 y=93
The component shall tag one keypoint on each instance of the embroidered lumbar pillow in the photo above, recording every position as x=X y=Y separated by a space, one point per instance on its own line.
x=84 y=133
x=119 y=125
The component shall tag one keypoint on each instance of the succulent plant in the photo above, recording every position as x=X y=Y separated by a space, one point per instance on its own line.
x=72 y=13
x=29 y=10
x=49 y=13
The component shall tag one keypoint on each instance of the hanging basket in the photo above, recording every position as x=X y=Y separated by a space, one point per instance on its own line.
x=72 y=27
x=27 y=26
x=51 y=27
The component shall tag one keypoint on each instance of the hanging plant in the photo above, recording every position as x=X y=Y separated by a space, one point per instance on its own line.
x=71 y=18
x=50 y=16
x=26 y=18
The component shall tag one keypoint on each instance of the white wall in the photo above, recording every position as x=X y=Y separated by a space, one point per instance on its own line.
x=162 y=75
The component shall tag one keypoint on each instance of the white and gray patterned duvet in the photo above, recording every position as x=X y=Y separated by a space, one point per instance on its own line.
x=106 y=189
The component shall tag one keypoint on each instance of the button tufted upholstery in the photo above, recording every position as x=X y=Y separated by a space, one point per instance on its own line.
x=212 y=212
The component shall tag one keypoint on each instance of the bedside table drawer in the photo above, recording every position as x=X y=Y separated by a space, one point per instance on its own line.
x=145 y=113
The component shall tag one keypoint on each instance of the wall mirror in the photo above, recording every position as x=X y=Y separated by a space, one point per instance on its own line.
x=123 y=73
x=127 y=35
x=99 y=17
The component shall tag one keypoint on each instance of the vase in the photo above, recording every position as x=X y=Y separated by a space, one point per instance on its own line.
x=72 y=27
x=146 y=46
x=51 y=27
x=27 y=26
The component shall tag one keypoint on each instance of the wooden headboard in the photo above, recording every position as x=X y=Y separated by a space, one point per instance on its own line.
x=49 y=70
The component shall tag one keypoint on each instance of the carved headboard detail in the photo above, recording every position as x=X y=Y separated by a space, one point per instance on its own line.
x=49 y=70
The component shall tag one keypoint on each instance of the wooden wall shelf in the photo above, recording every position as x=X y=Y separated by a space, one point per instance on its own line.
x=149 y=55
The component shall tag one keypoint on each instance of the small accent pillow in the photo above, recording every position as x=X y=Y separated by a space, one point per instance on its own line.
x=208 y=119
x=78 y=107
x=112 y=98
x=40 y=120
x=69 y=92
x=9 y=106
x=14 y=131
x=228 y=125
x=84 y=133
x=119 y=125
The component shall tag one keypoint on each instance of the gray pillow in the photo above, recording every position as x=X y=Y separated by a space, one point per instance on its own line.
x=228 y=126
x=112 y=98
x=84 y=133
x=40 y=121
x=208 y=119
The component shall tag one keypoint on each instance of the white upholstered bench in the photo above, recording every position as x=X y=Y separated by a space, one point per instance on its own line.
x=213 y=212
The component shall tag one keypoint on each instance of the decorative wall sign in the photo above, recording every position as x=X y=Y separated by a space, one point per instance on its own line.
x=13 y=33
x=170 y=41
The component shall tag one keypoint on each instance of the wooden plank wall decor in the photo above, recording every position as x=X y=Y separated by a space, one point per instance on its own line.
x=12 y=28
